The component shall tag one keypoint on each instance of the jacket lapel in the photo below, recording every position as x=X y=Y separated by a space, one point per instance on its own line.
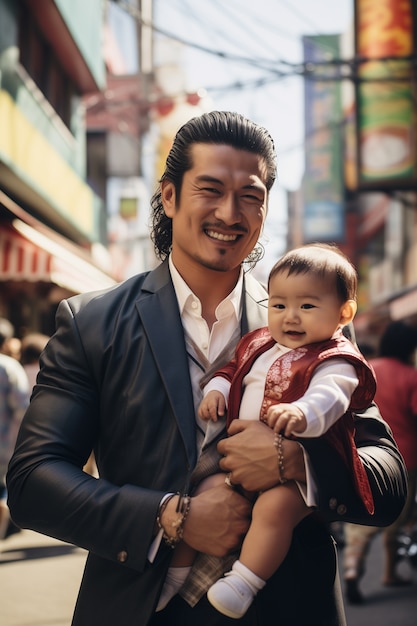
x=158 y=309
x=254 y=314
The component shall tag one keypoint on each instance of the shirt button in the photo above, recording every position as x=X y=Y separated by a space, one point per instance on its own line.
x=194 y=304
x=122 y=556
x=204 y=346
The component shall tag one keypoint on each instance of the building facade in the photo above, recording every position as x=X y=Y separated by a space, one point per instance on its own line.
x=53 y=240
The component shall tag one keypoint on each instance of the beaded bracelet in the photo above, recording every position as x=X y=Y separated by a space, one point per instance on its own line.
x=183 y=508
x=280 y=452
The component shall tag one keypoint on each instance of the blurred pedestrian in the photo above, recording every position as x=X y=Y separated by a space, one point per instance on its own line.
x=396 y=397
x=14 y=399
x=32 y=347
x=9 y=344
x=13 y=347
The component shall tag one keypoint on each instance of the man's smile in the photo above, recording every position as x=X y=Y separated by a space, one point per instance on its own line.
x=213 y=234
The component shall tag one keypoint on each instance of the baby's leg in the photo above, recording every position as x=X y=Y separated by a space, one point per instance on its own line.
x=275 y=514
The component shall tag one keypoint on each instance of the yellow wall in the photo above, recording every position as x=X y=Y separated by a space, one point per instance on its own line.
x=25 y=151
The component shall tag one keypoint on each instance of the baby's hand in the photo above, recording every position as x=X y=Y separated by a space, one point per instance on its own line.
x=212 y=406
x=287 y=419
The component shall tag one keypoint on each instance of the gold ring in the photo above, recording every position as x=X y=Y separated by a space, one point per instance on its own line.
x=227 y=480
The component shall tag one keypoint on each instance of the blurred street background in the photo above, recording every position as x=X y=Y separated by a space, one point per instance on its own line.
x=91 y=95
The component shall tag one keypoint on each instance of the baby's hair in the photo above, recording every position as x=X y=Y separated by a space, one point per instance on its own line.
x=323 y=260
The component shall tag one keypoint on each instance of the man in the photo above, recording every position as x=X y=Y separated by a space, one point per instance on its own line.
x=122 y=376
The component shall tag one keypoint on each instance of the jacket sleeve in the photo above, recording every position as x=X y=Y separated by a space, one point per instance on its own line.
x=48 y=490
x=337 y=499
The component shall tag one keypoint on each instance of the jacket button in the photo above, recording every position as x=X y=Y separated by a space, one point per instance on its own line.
x=122 y=556
x=341 y=509
x=332 y=504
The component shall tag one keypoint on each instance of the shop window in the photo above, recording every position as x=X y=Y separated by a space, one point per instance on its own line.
x=39 y=60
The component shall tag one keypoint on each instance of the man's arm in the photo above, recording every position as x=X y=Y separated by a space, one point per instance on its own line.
x=50 y=493
x=337 y=499
x=250 y=455
x=47 y=488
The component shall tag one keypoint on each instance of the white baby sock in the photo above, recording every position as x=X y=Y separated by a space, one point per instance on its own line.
x=173 y=582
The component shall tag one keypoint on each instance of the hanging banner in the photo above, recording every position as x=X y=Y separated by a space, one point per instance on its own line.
x=386 y=109
x=322 y=182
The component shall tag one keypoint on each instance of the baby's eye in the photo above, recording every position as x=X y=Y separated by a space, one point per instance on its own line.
x=280 y=307
x=308 y=306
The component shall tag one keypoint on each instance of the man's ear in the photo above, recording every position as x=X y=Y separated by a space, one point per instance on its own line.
x=168 y=197
x=348 y=312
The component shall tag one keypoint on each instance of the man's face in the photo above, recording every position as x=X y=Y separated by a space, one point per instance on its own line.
x=218 y=218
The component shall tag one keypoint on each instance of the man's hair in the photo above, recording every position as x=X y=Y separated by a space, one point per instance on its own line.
x=323 y=260
x=215 y=127
x=398 y=341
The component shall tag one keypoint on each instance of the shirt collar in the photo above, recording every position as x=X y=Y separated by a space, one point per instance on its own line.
x=184 y=293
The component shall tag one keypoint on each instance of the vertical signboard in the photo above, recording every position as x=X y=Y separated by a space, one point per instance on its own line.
x=322 y=182
x=386 y=107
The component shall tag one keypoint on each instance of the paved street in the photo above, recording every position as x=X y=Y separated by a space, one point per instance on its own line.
x=384 y=606
x=39 y=580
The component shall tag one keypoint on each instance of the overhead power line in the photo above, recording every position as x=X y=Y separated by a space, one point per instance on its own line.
x=271 y=65
x=348 y=69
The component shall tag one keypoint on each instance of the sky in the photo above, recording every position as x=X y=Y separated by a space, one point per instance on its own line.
x=243 y=55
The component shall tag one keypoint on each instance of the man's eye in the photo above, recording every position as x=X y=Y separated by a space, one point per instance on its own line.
x=248 y=197
x=209 y=189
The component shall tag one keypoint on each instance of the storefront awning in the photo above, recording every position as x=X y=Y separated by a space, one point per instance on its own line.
x=30 y=251
x=22 y=260
x=28 y=255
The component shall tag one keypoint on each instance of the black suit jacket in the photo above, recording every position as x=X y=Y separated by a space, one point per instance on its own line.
x=115 y=378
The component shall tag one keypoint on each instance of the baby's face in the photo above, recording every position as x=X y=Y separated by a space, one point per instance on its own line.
x=303 y=309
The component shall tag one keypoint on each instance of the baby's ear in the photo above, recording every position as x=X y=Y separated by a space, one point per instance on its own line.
x=348 y=312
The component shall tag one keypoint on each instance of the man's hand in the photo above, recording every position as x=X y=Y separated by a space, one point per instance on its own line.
x=249 y=455
x=217 y=521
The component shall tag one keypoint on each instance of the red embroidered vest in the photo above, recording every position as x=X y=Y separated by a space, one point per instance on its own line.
x=288 y=379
